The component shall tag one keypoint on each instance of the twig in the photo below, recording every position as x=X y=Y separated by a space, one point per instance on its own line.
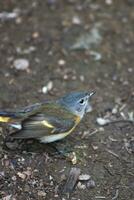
x=116 y=194
x=122 y=107
x=130 y=173
x=71 y=181
x=86 y=133
x=92 y=133
x=120 y=121
x=114 y=154
x=100 y=197
x=108 y=170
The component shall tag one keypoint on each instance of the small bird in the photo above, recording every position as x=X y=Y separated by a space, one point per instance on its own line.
x=49 y=121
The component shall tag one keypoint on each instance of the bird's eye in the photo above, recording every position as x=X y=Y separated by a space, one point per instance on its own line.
x=82 y=101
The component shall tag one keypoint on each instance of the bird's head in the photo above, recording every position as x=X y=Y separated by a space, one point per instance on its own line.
x=77 y=102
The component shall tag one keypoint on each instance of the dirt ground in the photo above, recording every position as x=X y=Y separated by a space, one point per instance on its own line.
x=68 y=46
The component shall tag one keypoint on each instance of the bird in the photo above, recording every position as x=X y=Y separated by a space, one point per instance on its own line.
x=49 y=121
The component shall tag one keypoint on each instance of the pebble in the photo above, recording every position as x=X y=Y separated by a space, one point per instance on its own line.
x=101 y=121
x=108 y=2
x=81 y=186
x=94 y=147
x=115 y=110
x=101 y=129
x=130 y=69
x=8 y=197
x=61 y=62
x=35 y=35
x=18 y=20
x=76 y=20
x=73 y=158
x=48 y=87
x=21 y=175
x=82 y=78
x=84 y=177
x=8 y=15
x=21 y=64
x=25 y=51
x=97 y=56
x=28 y=172
x=7 y=163
x=14 y=178
x=90 y=184
x=41 y=193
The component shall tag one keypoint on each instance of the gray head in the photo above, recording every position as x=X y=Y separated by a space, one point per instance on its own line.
x=77 y=102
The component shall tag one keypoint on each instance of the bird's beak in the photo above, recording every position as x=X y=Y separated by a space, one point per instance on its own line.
x=91 y=93
x=89 y=107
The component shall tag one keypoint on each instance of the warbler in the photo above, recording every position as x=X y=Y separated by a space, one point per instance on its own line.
x=49 y=121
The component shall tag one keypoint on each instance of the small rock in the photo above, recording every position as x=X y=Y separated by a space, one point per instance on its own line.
x=90 y=184
x=21 y=175
x=27 y=188
x=76 y=20
x=82 y=78
x=48 y=87
x=2 y=173
x=81 y=186
x=30 y=49
x=108 y=2
x=21 y=64
x=18 y=20
x=65 y=77
x=115 y=110
x=50 y=178
x=41 y=193
x=28 y=172
x=131 y=116
x=97 y=56
x=94 y=147
x=101 y=121
x=35 y=35
x=130 y=69
x=9 y=15
x=61 y=62
x=7 y=163
x=101 y=129
x=84 y=177
x=14 y=178
x=8 y=197
x=63 y=177
x=72 y=157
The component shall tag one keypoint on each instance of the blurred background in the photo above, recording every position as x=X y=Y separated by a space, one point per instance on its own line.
x=51 y=47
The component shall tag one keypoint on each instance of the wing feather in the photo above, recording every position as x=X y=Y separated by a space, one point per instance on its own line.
x=47 y=120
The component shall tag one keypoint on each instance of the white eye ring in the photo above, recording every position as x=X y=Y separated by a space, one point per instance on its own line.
x=82 y=101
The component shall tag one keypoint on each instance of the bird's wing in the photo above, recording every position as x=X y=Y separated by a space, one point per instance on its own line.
x=47 y=120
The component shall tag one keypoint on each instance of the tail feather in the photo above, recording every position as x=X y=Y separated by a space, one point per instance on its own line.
x=27 y=134
x=7 y=116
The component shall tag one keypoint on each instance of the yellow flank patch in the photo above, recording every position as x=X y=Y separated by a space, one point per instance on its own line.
x=77 y=119
x=5 y=119
x=76 y=123
x=45 y=123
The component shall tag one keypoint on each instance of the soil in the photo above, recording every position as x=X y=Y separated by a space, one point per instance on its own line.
x=52 y=28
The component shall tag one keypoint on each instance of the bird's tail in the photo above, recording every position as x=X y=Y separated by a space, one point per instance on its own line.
x=7 y=117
